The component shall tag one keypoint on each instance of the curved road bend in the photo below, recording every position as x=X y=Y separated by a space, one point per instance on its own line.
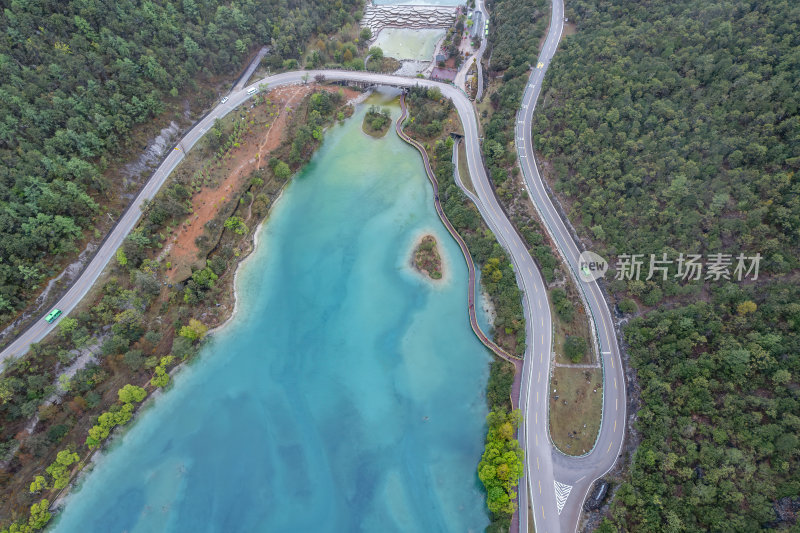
x=575 y=475
x=90 y=274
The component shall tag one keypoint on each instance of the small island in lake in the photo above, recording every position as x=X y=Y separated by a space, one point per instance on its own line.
x=427 y=259
x=376 y=121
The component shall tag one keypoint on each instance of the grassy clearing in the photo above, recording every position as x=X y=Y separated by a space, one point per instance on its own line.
x=577 y=327
x=484 y=107
x=574 y=425
x=463 y=168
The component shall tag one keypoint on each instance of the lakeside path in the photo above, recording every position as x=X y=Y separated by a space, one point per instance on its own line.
x=519 y=367
x=473 y=318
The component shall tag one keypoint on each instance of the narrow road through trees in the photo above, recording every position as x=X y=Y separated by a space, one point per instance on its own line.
x=571 y=475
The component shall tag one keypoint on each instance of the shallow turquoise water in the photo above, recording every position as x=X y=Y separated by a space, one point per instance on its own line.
x=346 y=395
x=404 y=43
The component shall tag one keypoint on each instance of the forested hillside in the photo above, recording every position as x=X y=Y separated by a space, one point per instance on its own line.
x=720 y=415
x=77 y=76
x=514 y=41
x=673 y=126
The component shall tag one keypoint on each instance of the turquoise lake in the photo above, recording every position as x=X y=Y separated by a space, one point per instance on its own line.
x=347 y=393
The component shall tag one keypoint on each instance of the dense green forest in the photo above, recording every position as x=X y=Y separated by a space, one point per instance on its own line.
x=721 y=415
x=514 y=41
x=78 y=75
x=674 y=127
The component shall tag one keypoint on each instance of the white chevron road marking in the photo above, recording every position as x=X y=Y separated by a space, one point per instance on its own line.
x=562 y=493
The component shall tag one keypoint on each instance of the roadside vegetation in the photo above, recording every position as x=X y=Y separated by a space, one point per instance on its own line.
x=517 y=28
x=498 y=388
x=451 y=43
x=347 y=48
x=498 y=399
x=79 y=80
x=681 y=137
x=572 y=337
x=514 y=41
x=134 y=327
x=502 y=463
x=576 y=379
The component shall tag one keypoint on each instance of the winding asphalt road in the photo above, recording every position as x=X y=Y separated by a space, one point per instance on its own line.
x=479 y=7
x=569 y=477
x=544 y=467
x=251 y=68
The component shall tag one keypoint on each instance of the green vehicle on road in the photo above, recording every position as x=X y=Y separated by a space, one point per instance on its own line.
x=52 y=315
